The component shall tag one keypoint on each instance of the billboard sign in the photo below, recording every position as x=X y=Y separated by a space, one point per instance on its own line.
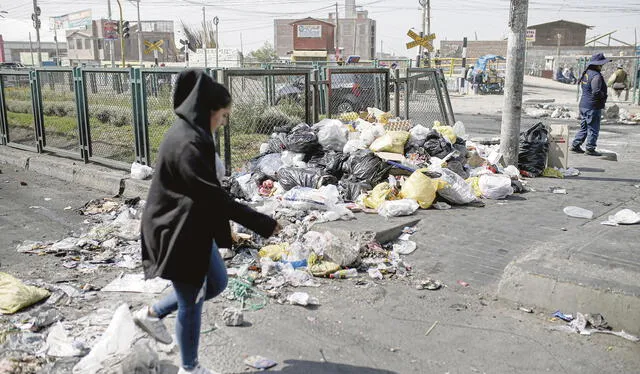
x=110 y=30
x=309 y=31
x=73 y=21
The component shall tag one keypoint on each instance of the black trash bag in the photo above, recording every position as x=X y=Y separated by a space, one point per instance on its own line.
x=303 y=140
x=461 y=146
x=277 y=143
x=457 y=166
x=349 y=191
x=330 y=162
x=436 y=145
x=284 y=128
x=363 y=165
x=233 y=187
x=291 y=177
x=534 y=147
x=266 y=164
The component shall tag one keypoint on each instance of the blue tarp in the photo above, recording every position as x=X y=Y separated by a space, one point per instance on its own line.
x=481 y=64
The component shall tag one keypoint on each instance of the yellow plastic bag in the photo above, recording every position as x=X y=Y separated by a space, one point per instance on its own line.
x=321 y=268
x=421 y=188
x=348 y=116
x=392 y=141
x=474 y=182
x=274 y=251
x=552 y=173
x=447 y=131
x=15 y=295
x=379 y=195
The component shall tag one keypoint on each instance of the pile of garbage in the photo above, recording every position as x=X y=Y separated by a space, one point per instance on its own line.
x=622 y=115
x=550 y=110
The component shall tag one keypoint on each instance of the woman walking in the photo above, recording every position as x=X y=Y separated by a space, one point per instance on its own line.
x=187 y=216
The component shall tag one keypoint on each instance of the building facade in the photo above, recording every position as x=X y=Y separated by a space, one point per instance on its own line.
x=12 y=50
x=559 y=33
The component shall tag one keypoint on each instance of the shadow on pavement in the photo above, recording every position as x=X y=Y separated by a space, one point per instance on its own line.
x=624 y=180
x=311 y=367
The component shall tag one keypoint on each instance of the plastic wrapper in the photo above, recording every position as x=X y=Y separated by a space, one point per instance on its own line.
x=353 y=145
x=303 y=140
x=534 y=147
x=418 y=135
x=495 y=186
x=268 y=165
x=141 y=172
x=275 y=251
x=370 y=133
x=397 y=208
x=456 y=190
x=459 y=130
x=350 y=191
x=420 y=188
x=392 y=141
x=332 y=135
x=364 y=165
x=293 y=159
x=379 y=195
x=276 y=144
x=15 y=295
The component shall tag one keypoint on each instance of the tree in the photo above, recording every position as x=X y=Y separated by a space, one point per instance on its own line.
x=196 y=34
x=264 y=54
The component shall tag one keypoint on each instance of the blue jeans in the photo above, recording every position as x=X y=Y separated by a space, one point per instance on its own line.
x=589 y=128
x=187 y=299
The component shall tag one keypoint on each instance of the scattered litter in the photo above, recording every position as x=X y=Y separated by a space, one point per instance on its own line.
x=232 y=317
x=47 y=199
x=577 y=212
x=526 y=310
x=303 y=299
x=562 y=316
x=431 y=328
x=15 y=295
x=463 y=283
x=441 y=205
x=458 y=307
x=404 y=247
x=259 y=362
x=623 y=217
x=137 y=284
x=586 y=324
x=429 y=284
x=61 y=345
x=375 y=274
x=344 y=274
x=68 y=208
x=558 y=190
x=23 y=183
x=397 y=208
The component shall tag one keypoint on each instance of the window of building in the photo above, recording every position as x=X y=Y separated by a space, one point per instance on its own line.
x=87 y=44
x=71 y=45
x=78 y=43
x=99 y=43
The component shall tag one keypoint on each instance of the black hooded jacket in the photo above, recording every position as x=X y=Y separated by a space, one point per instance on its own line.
x=187 y=208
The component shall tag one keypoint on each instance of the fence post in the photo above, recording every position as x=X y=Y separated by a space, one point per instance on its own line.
x=316 y=95
x=140 y=128
x=396 y=96
x=407 y=92
x=36 y=104
x=226 y=78
x=81 y=114
x=4 y=126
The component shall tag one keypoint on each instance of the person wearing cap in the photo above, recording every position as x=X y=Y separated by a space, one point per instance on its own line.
x=594 y=97
x=619 y=81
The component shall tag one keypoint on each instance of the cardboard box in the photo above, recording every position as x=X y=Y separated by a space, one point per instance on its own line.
x=558 y=147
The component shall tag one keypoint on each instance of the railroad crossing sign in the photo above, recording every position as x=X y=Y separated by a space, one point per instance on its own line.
x=153 y=46
x=424 y=41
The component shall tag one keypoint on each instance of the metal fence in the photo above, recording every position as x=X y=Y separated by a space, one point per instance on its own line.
x=263 y=101
x=118 y=116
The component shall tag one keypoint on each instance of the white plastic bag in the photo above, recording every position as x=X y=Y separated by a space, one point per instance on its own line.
x=397 y=208
x=495 y=186
x=305 y=198
x=457 y=191
x=269 y=164
x=60 y=344
x=141 y=172
x=248 y=187
x=623 y=217
x=353 y=145
x=511 y=171
x=293 y=159
x=459 y=129
x=370 y=134
x=333 y=136
x=418 y=134
x=303 y=299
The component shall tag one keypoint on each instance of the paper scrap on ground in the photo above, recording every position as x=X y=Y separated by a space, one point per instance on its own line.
x=577 y=212
x=136 y=283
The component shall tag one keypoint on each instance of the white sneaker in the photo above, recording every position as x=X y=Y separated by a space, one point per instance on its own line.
x=152 y=325
x=197 y=370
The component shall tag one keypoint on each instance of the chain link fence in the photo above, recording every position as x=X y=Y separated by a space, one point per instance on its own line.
x=425 y=98
x=263 y=101
x=59 y=111
x=354 y=90
x=110 y=114
x=18 y=119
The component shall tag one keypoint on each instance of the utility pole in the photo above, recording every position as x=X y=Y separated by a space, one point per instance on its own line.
x=423 y=3
x=428 y=17
x=36 y=24
x=557 y=64
x=121 y=35
x=55 y=39
x=31 y=51
x=206 y=35
x=113 y=59
x=140 y=36
x=216 y=20
x=512 y=111
x=241 y=52
x=337 y=39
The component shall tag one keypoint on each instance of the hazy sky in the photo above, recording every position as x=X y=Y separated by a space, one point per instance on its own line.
x=451 y=19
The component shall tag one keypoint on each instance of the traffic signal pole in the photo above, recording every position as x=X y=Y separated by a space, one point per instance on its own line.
x=121 y=34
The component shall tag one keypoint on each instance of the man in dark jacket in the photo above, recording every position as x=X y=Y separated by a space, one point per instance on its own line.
x=594 y=97
x=187 y=215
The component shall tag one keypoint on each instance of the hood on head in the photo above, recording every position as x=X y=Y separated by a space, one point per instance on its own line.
x=193 y=98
